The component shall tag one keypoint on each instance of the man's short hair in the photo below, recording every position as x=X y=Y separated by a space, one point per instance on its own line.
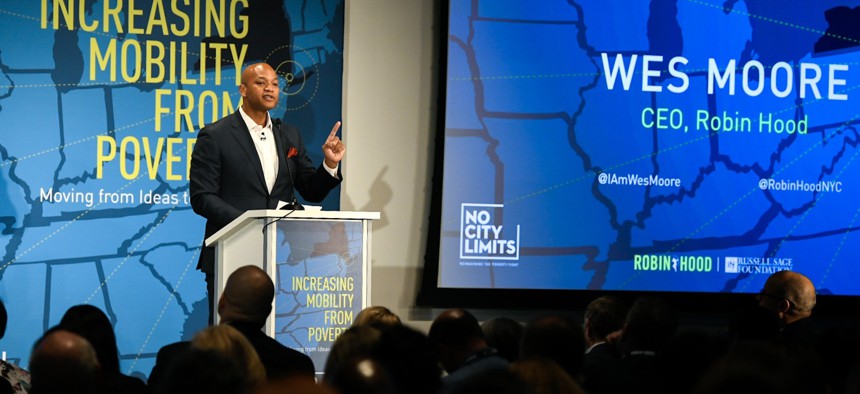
x=605 y=315
x=555 y=337
x=651 y=323
x=376 y=316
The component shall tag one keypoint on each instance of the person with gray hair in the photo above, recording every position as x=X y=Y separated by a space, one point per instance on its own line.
x=790 y=296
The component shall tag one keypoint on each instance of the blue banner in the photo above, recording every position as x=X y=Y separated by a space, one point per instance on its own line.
x=100 y=103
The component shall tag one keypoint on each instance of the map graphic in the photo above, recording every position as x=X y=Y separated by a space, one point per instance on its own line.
x=678 y=145
x=79 y=226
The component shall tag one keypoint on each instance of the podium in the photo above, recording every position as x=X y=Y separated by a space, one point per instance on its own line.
x=319 y=261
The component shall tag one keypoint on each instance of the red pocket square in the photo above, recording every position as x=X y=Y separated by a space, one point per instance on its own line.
x=293 y=152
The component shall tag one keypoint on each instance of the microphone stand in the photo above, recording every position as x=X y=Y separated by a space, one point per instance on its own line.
x=293 y=204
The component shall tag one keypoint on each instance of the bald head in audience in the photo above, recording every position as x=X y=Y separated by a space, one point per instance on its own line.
x=247 y=296
x=63 y=362
x=456 y=335
x=790 y=295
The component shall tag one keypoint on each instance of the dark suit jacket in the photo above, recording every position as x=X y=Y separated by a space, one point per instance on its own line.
x=279 y=360
x=226 y=177
x=165 y=357
x=801 y=334
x=601 y=367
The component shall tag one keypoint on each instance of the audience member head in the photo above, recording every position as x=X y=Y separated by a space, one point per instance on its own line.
x=204 y=371
x=377 y=316
x=356 y=341
x=63 y=362
x=408 y=357
x=546 y=377
x=455 y=335
x=504 y=334
x=232 y=344
x=789 y=295
x=362 y=375
x=93 y=325
x=651 y=323
x=603 y=316
x=247 y=296
x=557 y=338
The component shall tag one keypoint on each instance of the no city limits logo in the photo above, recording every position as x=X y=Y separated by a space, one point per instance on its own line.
x=483 y=236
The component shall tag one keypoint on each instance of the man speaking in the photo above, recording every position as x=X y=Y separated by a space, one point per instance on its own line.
x=249 y=161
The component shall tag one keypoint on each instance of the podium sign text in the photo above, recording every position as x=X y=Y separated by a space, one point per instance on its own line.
x=321 y=283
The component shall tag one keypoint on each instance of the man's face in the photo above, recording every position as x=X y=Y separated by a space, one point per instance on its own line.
x=260 y=89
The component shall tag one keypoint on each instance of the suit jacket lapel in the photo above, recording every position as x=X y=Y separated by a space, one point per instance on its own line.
x=243 y=138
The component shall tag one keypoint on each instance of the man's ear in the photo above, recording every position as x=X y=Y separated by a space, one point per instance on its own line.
x=242 y=90
x=222 y=303
x=784 y=306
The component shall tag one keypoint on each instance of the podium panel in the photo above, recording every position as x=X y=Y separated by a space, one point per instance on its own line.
x=320 y=283
x=319 y=262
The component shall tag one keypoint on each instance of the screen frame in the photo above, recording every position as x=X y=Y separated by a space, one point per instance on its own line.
x=431 y=295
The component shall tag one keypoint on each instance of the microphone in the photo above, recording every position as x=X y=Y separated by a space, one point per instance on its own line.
x=293 y=204
x=263 y=135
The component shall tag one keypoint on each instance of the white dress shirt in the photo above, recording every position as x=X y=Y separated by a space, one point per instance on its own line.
x=264 y=142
